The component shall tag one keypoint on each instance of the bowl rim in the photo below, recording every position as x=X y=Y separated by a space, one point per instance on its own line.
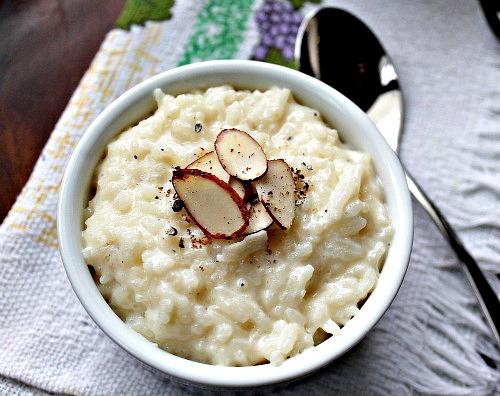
x=200 y=373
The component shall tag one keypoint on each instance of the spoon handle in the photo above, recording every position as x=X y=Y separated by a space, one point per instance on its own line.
x=488 y=300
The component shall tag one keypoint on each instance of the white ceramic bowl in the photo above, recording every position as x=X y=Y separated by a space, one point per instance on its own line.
x=354 y=128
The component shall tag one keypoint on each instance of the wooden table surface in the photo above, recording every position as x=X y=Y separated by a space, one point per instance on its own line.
x=45 y=47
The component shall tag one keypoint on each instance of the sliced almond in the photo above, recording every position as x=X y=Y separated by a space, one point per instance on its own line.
x=212 y=204
x=259 y=218
x=210 y=163
x=238 y=186
x=240 y=154
x=276 y=191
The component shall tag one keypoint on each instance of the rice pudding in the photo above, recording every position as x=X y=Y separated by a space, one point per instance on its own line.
x=253 y=298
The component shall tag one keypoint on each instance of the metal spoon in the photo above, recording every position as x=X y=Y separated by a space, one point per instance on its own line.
x=340 y=50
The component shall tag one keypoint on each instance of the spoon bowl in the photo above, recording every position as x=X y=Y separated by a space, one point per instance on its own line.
x=364 y=72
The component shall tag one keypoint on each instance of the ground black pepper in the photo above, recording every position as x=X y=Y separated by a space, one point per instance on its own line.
x=253 y=198
x=177 y=205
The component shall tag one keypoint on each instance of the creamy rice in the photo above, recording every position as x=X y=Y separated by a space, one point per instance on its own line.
x=234 y=302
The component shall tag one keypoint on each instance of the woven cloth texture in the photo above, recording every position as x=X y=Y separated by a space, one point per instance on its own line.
x=432 y=340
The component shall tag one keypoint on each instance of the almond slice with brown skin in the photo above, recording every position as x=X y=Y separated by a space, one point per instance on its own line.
x=212 y=204
x=240 y=154
x=259 y=218
x=238 y=186
x=276 y=190
x=210 y=163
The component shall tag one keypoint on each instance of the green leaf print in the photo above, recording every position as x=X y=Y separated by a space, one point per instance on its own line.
x=136 y=12
x=274 y=56
x=300 y=3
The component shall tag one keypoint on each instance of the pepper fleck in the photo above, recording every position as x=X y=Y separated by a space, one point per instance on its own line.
x=177 y=205
x=172 y=231
x=181 y=243
x=135 y=156
x=198 y=127
x=253 y=198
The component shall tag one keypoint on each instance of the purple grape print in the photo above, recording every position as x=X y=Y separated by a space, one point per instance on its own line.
x=288 y=52
x=268 y=41
x=284 y=28
x=260 y=52
x=278 y=23
x=279 y=42
x=273 y=32
x=275 y=17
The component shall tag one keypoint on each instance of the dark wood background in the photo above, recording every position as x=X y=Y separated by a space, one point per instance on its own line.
x=45 y=47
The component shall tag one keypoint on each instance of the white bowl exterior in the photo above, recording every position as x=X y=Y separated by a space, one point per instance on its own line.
x=354 y=128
